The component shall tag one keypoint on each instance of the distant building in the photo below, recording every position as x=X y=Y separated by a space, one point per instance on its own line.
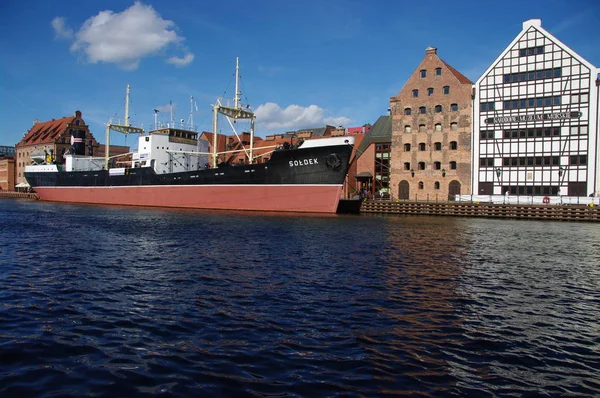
x=53 y=139
x=431 y=133
x=7 y=173
x=536 y=124
x=7 y=151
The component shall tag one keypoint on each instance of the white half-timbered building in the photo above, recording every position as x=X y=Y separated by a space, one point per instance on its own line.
x=535 y=130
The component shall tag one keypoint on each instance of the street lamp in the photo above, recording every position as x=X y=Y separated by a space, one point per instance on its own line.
x=561 y=170
x=412 y=172
x=443 y=172
x=498 y=172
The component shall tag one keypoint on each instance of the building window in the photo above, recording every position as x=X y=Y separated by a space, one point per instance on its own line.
x=578 y=160
x=487 y=106
x=453 y=126
x=438 y=127
x=421 y=146
x=578 y=98
x=407 y=111
x=533 y=102
x=436 y=185
x=420 y=184
x=446 y=90
x=406 y=166
x=438 y=108
x=437 y=165
x=407 y=129
x=438 y=146
x=454 y=107
x=524 y=52
x=421 y=128
x=532 y=75
x=429 y=91
x=486 y=162
x=578 y=130
x=422 y=110
x=423 y=73
x=421 y=165
x=438 y=71
x=452 y=165
x=415 y=93
x=486 y=135
x=453 y=145
x=406 y=147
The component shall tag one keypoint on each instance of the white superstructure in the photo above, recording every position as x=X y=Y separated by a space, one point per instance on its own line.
x=535 y=130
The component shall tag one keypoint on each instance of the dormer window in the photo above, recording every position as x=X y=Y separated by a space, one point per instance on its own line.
x=423 y=73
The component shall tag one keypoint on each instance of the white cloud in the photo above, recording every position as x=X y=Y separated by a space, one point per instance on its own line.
x=272 y=117
x=179 y=62
x=124 y=38
x=60 y=30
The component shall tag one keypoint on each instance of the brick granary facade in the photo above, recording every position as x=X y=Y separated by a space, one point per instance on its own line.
x=431 y=133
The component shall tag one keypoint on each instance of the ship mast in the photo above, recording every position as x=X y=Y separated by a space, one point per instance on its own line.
x=237 y=112
x=121 y=128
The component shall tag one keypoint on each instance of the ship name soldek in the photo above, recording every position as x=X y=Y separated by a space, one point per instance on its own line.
x=303 y=162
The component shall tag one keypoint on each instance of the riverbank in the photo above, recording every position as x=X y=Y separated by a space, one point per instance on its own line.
x=487 y=210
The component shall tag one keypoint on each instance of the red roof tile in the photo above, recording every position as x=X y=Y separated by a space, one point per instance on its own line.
x=461 y=78
x=46 y=132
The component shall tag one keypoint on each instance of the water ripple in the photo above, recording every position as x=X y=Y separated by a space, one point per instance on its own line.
x=107 y=301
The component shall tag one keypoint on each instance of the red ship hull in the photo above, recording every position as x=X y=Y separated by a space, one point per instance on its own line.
x=283 y=198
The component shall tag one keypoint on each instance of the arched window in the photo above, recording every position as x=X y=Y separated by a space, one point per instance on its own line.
x=423 y=73
x=422 y=110
x=454 y=107
x=437 y=146
x=406 y=147
x=453 y=145
x=452 y=165
x=415 y=93
x=421 y=165
x=438 y=71
x=438 y=108
x=420 y=184
x=407 y=129
x=430 y=91
x=421 y=128
x=407 y=111
x=446 y=90
x=421 y=146
x=453 y=126
x=438 y=127
x=436 y=185
x=406 y=166
x=437 y=165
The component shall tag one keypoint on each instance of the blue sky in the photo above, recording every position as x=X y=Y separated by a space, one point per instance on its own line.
x=303 y=64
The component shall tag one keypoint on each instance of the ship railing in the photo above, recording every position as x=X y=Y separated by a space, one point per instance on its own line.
x=182 y=125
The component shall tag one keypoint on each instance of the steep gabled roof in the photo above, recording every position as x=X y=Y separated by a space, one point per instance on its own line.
x=461 y=78
x=46 y=132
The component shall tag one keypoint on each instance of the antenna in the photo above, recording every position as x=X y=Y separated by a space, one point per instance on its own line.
x=236 y=101
x=171 y=107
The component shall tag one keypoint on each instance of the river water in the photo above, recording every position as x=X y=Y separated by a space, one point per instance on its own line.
x=123 y=302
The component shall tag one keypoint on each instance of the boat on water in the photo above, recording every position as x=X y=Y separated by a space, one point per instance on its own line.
x=172 y=167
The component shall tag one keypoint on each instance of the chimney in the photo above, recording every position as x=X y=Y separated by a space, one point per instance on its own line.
x=430 y=50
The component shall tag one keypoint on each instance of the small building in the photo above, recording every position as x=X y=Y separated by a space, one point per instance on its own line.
x=536 y=120
x=370 y=168
x=51 y=139
x=7 y=173
x=431 y=133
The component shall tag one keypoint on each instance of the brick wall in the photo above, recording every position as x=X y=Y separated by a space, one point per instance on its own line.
x=416 y=128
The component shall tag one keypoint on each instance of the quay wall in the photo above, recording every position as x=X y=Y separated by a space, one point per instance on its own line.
x=18 y=195
x=485 y=210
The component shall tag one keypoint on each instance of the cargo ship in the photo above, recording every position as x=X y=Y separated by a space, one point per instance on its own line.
x=172 y=167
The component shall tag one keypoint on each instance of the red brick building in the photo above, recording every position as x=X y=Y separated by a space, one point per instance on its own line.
x=431 y=133
x=53 y=138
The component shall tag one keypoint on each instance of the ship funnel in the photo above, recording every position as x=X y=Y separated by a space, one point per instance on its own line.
x=78 y=142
